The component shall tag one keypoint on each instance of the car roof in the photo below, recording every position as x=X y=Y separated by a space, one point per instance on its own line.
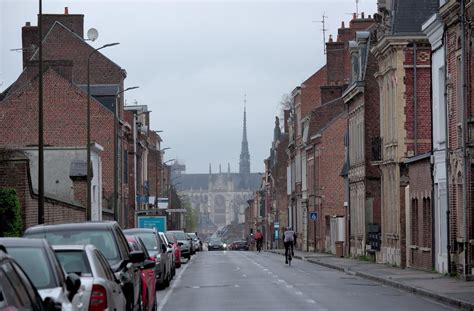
x=71 y=247
x=22 y=242
x=65 y=227
x=140 y=230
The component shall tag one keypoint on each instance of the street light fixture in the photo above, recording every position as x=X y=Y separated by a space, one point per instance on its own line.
x=89 y=173
x=169 y=161
x=116 y=146
x=165 y=149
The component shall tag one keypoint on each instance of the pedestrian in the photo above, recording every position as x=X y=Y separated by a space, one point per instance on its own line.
x=259 y=239
x=288 y=240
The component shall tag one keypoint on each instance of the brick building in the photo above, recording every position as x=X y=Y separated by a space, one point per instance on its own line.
x=403 y=55
x=362 y=102
x=458 y=85
x=66 y=51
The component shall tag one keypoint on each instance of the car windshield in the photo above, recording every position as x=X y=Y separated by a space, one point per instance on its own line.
x=179 y=235
x=36 y=265
x=216 y=241
x=74 y=261
x=101 y=239
x=149 y=240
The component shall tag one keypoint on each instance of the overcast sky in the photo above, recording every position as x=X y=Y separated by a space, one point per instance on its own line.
x=195 y=60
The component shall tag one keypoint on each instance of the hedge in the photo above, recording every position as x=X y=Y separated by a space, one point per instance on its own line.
x=11 y=224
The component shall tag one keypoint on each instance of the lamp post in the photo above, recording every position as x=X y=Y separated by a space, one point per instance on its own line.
x=116 y=153
x=89 y=173
x=40 y=119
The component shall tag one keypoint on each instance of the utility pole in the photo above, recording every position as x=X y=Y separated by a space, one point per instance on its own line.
x=40 y=120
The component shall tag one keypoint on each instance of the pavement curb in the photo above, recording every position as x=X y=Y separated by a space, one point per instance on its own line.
x=464 y=305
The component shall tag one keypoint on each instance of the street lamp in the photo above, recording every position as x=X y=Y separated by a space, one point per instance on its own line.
x=116 y=146
x=169 y=161
x=89 y=173
x=165 y=149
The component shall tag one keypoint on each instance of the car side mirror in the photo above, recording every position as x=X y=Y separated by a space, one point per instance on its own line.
x=164 y=248
x=137 y=256
x=148 y=264
x=50 y=305
x=73 y=283
x=180 y=243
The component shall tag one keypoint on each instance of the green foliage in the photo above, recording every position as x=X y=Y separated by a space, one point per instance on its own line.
x=11 y=224
x=191 y=217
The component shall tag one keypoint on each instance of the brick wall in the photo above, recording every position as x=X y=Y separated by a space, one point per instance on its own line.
x=64 y=120
x=15 y=174
x=420 y=215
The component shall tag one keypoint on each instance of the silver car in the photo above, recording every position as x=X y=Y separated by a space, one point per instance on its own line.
x=169 y=250
x=100 y=287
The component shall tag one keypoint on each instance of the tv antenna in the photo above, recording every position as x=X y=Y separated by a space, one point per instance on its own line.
x=323 y=21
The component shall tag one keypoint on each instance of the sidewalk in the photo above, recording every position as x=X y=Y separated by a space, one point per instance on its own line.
x=438 y=287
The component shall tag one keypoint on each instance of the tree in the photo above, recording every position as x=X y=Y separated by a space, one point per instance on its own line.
x=286 y=103
x=191 y=217
x=10 y=214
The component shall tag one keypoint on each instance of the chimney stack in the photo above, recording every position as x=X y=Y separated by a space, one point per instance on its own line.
x=66 y=10
x=342 y=25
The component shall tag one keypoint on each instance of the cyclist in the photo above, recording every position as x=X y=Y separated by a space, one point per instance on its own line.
x=289 y=238
x=259 y=239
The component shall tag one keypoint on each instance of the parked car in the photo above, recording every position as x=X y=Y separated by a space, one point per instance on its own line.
x=216 y=244
x=176 y=249
x=101 y=288
x=197 y=244
x=157 y=249
x=17 y=291
x=241 y=245
x=38 y=260
x=169 y=250
x=148 y=274
x=183 y=242
x=109 y=239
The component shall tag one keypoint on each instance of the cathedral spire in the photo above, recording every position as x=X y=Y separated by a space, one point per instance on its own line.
x=244 y=163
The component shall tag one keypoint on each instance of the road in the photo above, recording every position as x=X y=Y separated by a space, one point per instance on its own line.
x=262 y=281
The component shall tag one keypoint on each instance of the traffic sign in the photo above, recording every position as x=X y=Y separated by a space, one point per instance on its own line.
x=313 y=215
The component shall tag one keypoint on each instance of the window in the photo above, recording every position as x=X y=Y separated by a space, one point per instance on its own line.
x=426 y=222
x=125 y=167
x=414 y=222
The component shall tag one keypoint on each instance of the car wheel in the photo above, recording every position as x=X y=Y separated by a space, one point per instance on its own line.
x=167 y=282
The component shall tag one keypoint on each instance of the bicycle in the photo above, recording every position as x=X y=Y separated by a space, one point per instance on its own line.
x=289 y=254
x=259 y=245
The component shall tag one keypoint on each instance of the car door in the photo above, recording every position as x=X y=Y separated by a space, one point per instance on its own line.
x=118 y=298
x=17 y=290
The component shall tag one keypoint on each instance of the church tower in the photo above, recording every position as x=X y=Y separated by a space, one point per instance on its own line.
x=244 y=163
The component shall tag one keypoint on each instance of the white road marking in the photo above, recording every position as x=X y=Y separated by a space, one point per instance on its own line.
x=310 y=301
x=236 y=285
x=299 y=293
x=289 y=286
x=195 y=287
x=244 y=275
x=281 y=281
x=172 y=287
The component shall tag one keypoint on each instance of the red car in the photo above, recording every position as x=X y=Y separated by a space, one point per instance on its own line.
x=148 y=275
x=176 y=249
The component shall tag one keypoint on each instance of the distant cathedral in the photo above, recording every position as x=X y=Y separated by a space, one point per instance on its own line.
x=220 y=197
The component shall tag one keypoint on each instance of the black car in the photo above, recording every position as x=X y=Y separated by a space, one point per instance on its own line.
x=216 y=244
x=240 y=245
x=17 y=292
x=40 y=263
x=108 y=238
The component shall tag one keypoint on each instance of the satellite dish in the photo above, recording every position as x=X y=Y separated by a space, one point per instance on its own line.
x=92 y=34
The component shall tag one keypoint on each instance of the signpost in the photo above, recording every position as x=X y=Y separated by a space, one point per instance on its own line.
x=156 y=222
x=313 y=216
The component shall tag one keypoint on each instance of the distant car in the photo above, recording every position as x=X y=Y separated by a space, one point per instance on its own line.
x=148 y=274
x=38 y=260
x=17 y=292
x=101 y=288
x=183 y=241
x=196 y=241
x=158 y=250
x=169 y=250
x=240 y=245
x=216 y=244
x=176 y=248
x=109 y=239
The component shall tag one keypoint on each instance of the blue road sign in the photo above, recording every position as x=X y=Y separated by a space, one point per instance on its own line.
x=313 y=215
x=157 y=222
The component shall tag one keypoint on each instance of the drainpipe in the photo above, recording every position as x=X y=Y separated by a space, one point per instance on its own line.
x=135 y=165
x=415 y=108
x=432 y=164
x=446 y=150
x=464 y=136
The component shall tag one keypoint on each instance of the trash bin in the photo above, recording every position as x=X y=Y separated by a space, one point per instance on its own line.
x=339 y=248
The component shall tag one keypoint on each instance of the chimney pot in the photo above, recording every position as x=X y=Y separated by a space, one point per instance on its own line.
x=330 y=38
x=370 y=16
x=342 y=25
x=28 y=24
x=354 y=15
x=362 y=14
x=66 y=10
